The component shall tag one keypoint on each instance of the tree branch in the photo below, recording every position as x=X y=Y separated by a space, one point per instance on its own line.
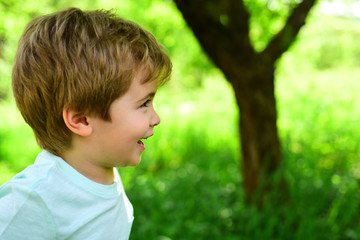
x=221 y=28
x=282 y=41
x=199 y=15
x=238 y=16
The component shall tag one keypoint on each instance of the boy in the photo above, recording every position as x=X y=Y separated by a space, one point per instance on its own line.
x=84 y=82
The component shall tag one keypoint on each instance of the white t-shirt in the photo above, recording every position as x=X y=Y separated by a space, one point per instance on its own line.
x=51 y=200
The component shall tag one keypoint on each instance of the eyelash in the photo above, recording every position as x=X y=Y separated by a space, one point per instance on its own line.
x=146 y=103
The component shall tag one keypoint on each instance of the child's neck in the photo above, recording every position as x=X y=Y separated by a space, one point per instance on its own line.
x=82 y=164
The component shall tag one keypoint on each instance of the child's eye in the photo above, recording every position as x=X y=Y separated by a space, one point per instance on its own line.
x=146 y=103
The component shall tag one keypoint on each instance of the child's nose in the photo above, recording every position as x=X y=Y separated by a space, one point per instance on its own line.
x=155 y=120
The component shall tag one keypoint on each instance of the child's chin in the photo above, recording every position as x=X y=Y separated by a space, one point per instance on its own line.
x=136 y=163
x=133 y=162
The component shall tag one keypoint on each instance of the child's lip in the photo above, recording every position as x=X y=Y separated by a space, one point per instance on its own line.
x=148 y=136
x=141 y=145
x=140 y=142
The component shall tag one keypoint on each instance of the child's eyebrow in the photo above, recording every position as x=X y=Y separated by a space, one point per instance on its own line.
x=149 y=96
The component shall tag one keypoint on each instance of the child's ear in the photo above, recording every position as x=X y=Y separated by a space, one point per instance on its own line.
x=77 y=122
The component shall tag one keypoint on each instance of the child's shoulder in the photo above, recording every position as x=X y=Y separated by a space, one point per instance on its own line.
x=34 y=174
x=22 y=202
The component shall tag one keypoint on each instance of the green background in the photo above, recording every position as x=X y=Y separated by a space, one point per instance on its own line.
x=188 y=185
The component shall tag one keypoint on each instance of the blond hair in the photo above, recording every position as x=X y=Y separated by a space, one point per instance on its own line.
x=83 y=60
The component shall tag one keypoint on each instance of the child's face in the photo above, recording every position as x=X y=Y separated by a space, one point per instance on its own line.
x=133 y=118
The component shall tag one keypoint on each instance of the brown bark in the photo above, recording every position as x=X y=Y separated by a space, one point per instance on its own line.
x=251 y=74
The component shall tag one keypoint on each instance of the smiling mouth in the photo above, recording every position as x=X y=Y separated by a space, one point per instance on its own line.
x=140 y=143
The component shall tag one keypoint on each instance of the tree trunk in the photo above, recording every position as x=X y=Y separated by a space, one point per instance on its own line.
x=251 y=74
x=261 y=154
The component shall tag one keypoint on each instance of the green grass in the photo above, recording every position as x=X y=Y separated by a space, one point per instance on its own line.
x=188 y=184
x=189 y=181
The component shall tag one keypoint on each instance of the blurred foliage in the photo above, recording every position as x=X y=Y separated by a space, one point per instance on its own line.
x=188 y=184
x=267 y=18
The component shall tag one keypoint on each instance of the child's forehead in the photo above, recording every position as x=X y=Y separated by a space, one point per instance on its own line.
x=146 y=73
x=143 y=79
